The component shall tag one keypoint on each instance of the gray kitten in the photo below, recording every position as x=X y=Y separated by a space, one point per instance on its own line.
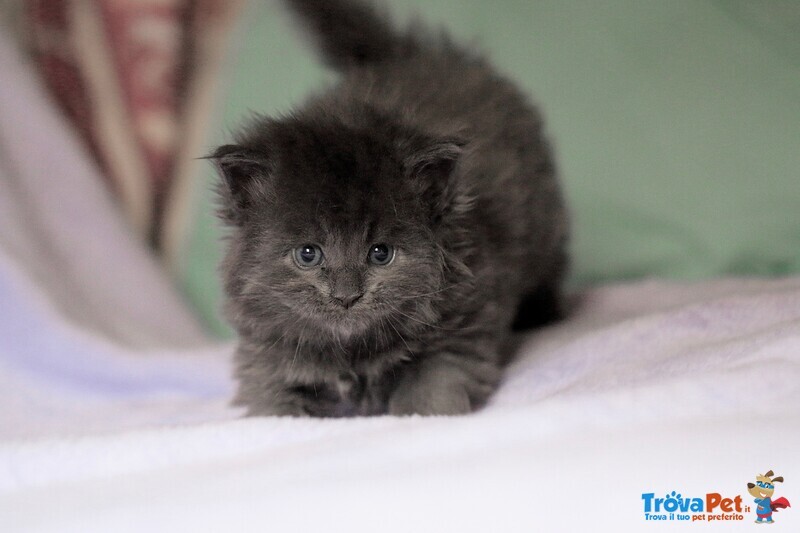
x=385 y=234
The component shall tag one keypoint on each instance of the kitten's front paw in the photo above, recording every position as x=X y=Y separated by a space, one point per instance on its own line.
x=263 y=403
x=415 y=398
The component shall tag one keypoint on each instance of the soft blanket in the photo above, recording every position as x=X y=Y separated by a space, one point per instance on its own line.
x=650 y=387
x=114 y=408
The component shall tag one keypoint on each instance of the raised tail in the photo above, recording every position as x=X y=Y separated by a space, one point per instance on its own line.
x=351 y=32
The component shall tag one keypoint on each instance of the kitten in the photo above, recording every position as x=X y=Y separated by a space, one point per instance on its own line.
x=384 y=234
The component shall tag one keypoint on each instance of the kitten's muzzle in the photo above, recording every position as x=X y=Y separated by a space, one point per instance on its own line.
x=346 y=287
x=347 y=300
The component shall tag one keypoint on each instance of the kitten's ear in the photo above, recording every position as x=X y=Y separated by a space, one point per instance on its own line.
x=431 y=168
x=244 y=174
x=436 y=160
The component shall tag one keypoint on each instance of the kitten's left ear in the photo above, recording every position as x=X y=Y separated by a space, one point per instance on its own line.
x=244 y=174
x=436 y=159
x=431 y=166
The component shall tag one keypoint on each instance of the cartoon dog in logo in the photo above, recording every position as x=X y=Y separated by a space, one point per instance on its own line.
x=762 y=490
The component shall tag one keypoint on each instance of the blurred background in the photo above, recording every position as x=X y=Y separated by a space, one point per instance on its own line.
x=676 y=124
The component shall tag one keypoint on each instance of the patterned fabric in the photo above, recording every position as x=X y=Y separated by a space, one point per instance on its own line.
x=126 y=73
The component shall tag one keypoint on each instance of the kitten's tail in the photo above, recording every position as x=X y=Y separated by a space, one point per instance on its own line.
x=352 y=32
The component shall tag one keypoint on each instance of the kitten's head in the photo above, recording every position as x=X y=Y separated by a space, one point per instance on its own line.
x=336 y=228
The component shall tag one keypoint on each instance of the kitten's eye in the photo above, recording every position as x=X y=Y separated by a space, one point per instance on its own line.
x=308 y=255
x=381 y=254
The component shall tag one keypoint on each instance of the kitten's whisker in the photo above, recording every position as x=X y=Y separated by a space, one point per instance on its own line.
x=271 y=346
x=415 y=296
x=409 y=316
x=417 y=319
x=389 y=321
x=383 y=340
x=297 y=348
x=341 y=347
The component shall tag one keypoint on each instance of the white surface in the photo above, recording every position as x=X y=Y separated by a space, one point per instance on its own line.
x=108 y=422
x=651 y=387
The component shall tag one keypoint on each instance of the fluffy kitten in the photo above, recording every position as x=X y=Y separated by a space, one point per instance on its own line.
x=385 y=233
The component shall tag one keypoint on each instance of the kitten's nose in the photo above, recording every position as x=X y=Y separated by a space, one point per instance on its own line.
x=347 y=300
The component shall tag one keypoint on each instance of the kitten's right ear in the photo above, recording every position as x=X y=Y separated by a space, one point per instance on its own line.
x=243 y=174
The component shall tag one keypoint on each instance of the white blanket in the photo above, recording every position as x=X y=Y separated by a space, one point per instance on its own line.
x=114 y=416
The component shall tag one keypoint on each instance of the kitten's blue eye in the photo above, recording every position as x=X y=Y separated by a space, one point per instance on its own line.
x=381 y=254
x=308 y=255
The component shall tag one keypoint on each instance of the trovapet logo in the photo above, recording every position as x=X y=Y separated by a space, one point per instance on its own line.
x=715 y=507
x=712 y=506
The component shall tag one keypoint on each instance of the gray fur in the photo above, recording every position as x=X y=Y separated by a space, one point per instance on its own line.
x=420 y=145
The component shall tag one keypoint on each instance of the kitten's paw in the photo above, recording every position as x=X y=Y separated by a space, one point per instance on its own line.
x=412 y=398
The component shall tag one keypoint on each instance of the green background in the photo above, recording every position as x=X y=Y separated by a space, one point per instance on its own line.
x=676 y=125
